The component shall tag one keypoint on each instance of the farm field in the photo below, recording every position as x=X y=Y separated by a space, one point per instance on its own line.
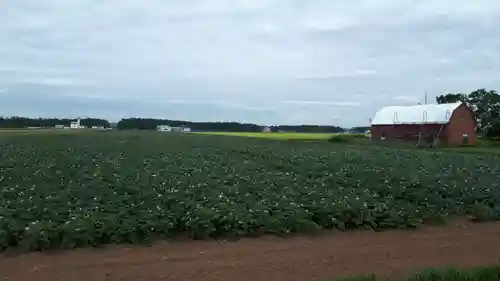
x=5 y=133
x=277 y=136
x=62 y=191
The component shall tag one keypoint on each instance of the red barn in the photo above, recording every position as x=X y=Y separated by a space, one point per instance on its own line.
x=451 y=124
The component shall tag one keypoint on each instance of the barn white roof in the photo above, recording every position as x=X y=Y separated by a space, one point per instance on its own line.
x=415 y=114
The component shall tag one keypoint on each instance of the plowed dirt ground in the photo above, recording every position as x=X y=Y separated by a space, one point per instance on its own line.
x=389 y=254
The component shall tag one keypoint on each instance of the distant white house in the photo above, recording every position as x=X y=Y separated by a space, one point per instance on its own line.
x=266 y=129
x=76 y=124
x=164 y=128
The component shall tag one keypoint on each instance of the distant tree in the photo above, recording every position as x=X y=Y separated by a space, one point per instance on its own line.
x=150 y=124
x=360 y=129
x=90 y=122
x=484 y=104
x=24 y=122
x=451 y=98
x=494 y=130
x=486 y=107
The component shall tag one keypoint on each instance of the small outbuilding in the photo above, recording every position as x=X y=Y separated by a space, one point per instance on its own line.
x=452 y=124
x=164 y=128
x=267 y=129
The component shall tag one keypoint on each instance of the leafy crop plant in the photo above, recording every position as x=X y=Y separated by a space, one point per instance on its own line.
x=131 y=187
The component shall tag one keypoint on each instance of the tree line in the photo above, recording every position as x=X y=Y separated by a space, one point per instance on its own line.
x=485 y=104
x=151 y=124
x=24 y=122
x=359 y=130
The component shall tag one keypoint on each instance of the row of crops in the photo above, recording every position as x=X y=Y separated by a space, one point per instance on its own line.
x=93 y=189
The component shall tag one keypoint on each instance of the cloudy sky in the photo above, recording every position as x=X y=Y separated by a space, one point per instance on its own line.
x=267 y=61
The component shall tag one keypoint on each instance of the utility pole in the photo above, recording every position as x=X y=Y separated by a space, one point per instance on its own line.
x=425 y=98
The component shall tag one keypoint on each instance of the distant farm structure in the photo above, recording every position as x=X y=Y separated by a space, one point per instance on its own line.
x=166 y=128
x=451 y=124
x=76 y=124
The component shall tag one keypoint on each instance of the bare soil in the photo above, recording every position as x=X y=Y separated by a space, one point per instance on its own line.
x=388 y=254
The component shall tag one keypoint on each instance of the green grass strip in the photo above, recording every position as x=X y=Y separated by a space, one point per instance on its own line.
x=486 y=273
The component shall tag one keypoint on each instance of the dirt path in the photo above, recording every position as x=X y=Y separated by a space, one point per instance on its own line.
x=303 y=258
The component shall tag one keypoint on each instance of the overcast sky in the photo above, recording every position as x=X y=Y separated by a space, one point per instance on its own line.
x=266 y=61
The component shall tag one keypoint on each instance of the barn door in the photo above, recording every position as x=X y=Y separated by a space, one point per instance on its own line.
x=465 y=139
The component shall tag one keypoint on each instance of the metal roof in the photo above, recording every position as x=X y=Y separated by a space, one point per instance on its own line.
x=415 y=114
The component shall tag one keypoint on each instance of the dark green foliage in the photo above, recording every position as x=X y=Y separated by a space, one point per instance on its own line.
x=340 y=139
x=150 y=124
x=446 y=274
x=494 y=131
x=484 y=104
x=487 y=273
x=451 y=98
x=483 y=212
x=454 y=274
x=360 y=130
x=348 y=138
x=131 y=187
x=23 y=122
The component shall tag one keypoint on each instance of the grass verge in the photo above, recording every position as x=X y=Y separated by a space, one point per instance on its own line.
x=484 y=273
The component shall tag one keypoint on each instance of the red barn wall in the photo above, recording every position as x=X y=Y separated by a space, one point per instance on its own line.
x=407 y=132
x=461 y=122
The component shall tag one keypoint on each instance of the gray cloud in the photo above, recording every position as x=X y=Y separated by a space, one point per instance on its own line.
x=323 y=103
x=56 y=82
x=269 y=61
x=406 y=99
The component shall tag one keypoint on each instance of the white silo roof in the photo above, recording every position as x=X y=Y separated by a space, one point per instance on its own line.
x=415 y=114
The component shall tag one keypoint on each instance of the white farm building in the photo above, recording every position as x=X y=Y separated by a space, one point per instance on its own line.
x=164 y=128
x=76 y=125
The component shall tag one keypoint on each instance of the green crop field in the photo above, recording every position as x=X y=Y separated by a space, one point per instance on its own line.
x=49 y=131
x=277 y=136
x=71 y=190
